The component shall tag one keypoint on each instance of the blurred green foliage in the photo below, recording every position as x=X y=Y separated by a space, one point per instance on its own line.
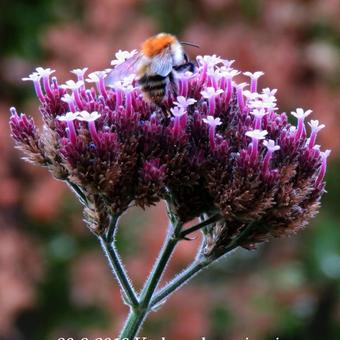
x=22 y=21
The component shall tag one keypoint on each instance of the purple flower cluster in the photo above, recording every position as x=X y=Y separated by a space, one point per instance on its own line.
x=221 y=149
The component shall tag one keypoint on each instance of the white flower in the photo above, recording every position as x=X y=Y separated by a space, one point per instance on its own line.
x=210 y=92
x=213 y=72
x=177 y=111
x=210 y=60
x=227 y=63
x=35 y=76
x=260 y=104
x=69 y=116
x=124 y=84
x=128 y=80
x=241 y=85
x=257 y=134
x=79 y=72
x=314 y=124
x=185 y=75
x=88 y=116
x=13 y=111
x=268 y=92
x=95 y=77
x=250 y=95
x=121 y=56
x=255 y=75
x=325 y=154
x=72 y=85
x=258 y=113
x=228 y=72
x=268 y=95
x=300 y=113
x=67 y=98
x=211 y=121
x=44 y=72
x=184 y=102
x=270 y=145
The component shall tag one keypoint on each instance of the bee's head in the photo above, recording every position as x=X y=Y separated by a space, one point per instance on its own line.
x=156 y=44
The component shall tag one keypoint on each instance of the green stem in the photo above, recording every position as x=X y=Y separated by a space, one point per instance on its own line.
x=116 y=264
x=133 y=323
x=178 y=281
x=138 y=314
x=200 y=263
x=148 y=300
x=200 y=225
x=79 y=193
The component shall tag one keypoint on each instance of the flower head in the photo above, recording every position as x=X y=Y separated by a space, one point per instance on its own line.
x=255 y=75
x=121 y=56
x=325 y=154
x=69 y=116
x=270 y=145
x=79 y=72
x=211 y=121
x=35 y=76
x=301 y=113
x=258 y=112
x=228 y=72
x=210 y=60
x=136 y=153
x=252 y=96
x=315 y=125
x=268 y=93
x=184 y=102
x=257 y=134
x=88 y=116
x=67 y=98
x=227 y=63
x=95 y=77
x=72 y=85
x=177 y=111
x=253 y=79
x=44 y=72
x=210 y=92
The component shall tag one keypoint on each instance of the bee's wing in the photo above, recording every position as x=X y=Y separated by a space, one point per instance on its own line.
x=124 y=69
x=162 y=63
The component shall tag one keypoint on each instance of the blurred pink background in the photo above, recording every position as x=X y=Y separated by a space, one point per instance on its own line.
x=54 y=281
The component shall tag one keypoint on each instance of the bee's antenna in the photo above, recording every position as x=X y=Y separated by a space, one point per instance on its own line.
x=189 y=44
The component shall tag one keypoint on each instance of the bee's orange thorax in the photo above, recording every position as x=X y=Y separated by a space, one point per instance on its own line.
x=155 y=45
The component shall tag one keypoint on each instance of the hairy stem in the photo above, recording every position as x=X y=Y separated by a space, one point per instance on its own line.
x=178 y=281
x=138 y=314
x=116 y=264
x=195 y=267
x=148 y=299
x=200 y=225
x=79 y=193
x=133 y=323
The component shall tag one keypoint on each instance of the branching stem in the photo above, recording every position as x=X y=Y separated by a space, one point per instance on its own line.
x=149 y=298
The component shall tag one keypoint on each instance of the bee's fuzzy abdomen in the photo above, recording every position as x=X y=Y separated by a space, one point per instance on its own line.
x=154 y=86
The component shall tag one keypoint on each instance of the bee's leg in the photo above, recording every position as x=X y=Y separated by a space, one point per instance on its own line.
x=165 y=110
x=173 y=85
x=159 y=101
x=188 y=66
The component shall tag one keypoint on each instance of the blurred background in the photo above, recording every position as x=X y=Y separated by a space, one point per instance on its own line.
x=54 y=281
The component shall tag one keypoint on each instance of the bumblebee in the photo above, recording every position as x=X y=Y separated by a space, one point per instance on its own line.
x=155 y=66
